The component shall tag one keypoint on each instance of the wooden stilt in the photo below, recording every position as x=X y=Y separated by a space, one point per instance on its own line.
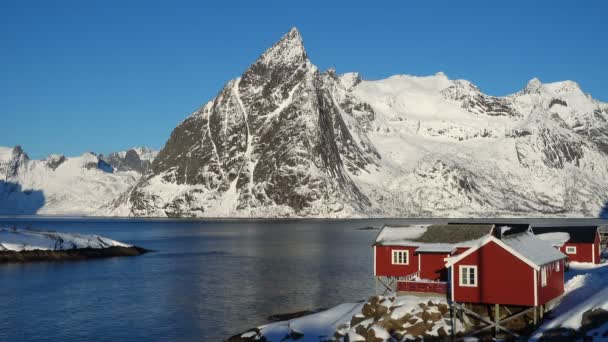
x=535 y=316
x=542 y=311
x=496 y=319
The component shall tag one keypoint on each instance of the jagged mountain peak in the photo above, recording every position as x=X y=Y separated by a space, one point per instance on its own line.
x=533 y=85
x=288 y=49
x=556 y=88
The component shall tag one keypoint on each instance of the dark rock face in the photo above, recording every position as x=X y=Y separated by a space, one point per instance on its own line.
x=274 y=137
x=54 y=162
x=130 y=161
x=99 y=164
x=18 y=159
x=595 y=128
x=474 y=101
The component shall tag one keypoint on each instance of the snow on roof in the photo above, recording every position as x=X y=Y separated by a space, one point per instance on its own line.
x=433 y=238
x=395 y=235
x=578 y=234
x=538 y=251
x=436 y=248
x=555 y=239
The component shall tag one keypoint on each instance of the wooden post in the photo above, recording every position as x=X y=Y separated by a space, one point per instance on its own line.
x=376 y=286
x=535 y=316
x=496 y=319
x=542 y=311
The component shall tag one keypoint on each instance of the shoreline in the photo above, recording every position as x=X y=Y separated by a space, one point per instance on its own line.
x=9 y=257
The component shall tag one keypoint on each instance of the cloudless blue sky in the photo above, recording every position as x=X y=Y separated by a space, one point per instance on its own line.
x=101 y=76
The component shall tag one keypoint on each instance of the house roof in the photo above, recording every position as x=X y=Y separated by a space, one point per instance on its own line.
x=507 y=228
x=539 y=251
x=578 y=234
x=510 y=229
x=556 y=239
x=525 y=246
x=436 y=234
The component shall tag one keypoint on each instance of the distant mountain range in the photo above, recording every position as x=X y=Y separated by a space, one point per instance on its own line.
x=288 y=140
x=67 y=185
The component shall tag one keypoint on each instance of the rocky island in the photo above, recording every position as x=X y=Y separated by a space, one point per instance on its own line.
x=27 y=245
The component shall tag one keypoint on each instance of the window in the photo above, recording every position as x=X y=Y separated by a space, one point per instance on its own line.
x=543 y=276
x=401 y=257
x=468 y=276
x=570 y=249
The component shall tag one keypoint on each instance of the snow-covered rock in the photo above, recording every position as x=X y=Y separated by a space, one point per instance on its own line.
x=14 y=239
x=286 y=139
x=137 y=159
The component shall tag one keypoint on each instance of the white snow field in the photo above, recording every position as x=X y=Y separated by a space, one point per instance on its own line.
x=58 y=185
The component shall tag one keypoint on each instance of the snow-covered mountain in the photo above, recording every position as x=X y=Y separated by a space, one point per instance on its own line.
x=58 y=184
x=135 y=159
x=286 y=139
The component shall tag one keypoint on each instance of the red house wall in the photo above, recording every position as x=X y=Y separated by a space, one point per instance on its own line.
x=555 y=283
x=583 y=251
x=502 y=278
x=432 y=266
x=598 y=252
x=384 y=262
x=460 y=250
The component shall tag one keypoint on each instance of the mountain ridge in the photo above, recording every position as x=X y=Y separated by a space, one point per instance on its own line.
x=286 y=139
x=402 y=146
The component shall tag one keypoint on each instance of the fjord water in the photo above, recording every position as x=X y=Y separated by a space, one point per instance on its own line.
x=205 y=280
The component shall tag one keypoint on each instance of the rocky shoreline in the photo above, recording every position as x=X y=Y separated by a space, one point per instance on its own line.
x=69 y=254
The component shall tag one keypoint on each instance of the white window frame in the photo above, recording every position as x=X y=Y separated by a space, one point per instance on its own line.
x=395 y=256
x=543 y=276
x=461 y=272
x=570 y=249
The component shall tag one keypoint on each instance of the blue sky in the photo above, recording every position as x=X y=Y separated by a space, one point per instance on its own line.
x=106 y=75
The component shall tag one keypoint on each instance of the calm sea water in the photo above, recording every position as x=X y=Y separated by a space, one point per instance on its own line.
x=206 y=280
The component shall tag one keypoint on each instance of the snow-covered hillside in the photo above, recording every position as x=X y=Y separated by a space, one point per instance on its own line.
x=286 y=139
x=57 y=184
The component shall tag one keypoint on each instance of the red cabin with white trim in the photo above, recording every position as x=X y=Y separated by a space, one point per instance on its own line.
x=415 y=256
x=476 y=263
x=582 y=243
x=518 y=269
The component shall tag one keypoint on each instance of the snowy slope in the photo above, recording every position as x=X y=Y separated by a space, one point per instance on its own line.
x=13 y=239
x=286 y=139
x=585 y=291
x=58 y=184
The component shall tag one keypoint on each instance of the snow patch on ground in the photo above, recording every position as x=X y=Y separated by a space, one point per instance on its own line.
x=586 y=289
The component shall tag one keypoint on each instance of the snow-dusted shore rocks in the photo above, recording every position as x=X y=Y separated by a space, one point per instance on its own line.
x=20 y=245
x=581 y=314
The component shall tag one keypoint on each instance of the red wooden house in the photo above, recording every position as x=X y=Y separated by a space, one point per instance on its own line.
x=580 y=244
x=475 y=263
x=413 y=258
x=517 y=269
